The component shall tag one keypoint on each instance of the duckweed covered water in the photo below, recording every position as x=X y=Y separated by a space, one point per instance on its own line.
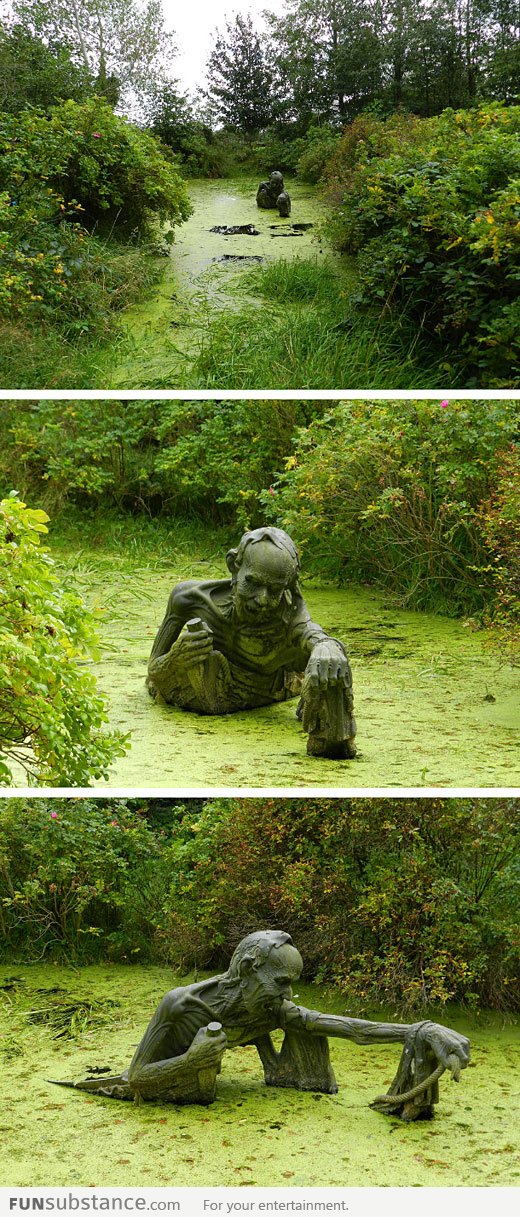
x=252 y=1134
x=163 y=334
x=434 y=705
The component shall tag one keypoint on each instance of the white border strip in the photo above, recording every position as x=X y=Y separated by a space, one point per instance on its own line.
x=258 y=394
x=260 y=792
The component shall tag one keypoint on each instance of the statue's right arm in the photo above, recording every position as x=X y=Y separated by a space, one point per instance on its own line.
x=175 y=1040
x=179 y=610
x=444 y=1042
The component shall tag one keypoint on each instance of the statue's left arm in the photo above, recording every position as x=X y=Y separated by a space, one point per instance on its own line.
x=428 y=1049
x=324 y=658
x=442 y=1041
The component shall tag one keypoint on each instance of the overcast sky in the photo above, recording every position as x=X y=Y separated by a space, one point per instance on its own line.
x=194 y=21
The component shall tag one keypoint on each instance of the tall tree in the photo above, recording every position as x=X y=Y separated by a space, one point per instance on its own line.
x=35 y=74
x=328 y=55
x=240 y=81
x=122 y=43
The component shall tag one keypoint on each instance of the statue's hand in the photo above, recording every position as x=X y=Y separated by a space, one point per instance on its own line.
x=448 y=1047
x=328 y=665
x=192 y=646
x=205 y=1051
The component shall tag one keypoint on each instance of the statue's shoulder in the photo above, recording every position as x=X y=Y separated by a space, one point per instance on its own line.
x=178 y=1001
x=197 y=594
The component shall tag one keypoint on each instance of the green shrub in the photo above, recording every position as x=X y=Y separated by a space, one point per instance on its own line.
x=51 y=717
x=52 y=272
x=499 y=522
x=212 y=458
x=94 y=161
x=391 y=493
x=78 y=165
x=319 y=146
x=435 y=221
x=79 y=880
x=408 y=902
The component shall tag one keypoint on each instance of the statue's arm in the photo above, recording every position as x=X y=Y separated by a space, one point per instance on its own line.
x=359 y=1030
x=443 y=1042
x=176 y=1051
x=178 y=612
x=324 y=658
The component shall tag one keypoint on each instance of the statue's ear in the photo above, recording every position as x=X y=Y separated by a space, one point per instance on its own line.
x=247 y=965
x=231 y=561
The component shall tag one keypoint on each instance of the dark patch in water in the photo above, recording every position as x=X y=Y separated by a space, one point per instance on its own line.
x=236 y=230
x=287 y=234
x=239 y=258
x=301 y=227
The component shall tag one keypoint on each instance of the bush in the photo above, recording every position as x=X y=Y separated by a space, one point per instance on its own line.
x=94 y=160
x=403 y=902
x=391 y=493
x=80 y=165
x=51 y=717
x=499 y=521
x=53 y=272
x=212 y=458
x=432 y=207
x=318 y=147
x=79 y=880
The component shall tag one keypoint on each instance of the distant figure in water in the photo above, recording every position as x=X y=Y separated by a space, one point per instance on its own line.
x=269 y=192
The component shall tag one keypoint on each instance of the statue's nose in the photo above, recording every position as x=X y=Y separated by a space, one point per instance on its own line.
x=262 y=596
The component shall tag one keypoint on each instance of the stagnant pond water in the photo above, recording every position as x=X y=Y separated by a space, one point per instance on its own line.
x=435 y=706
x=251 y=1134
x=205 y=271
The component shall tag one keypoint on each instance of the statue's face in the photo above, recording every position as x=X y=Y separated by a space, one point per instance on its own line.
x=262 y=582
x=264 y=988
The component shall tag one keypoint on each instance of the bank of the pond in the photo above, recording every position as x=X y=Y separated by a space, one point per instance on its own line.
x=435 y=706
x=252 y=1134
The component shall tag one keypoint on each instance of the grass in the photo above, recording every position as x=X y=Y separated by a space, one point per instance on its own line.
x=74 y=348
x=306 y=336
x=138 y=540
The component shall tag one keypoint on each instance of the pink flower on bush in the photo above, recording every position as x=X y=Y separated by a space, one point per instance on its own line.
x=444 y=404
x=54 y=815
x=96 y=135
x=114 y=823
x=271 y=490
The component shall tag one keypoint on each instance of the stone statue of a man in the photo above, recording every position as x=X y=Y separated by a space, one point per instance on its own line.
x=233 y=644
x=180 y=1054
x=269 y=192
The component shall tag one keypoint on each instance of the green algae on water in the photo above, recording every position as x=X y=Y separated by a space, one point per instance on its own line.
x=434 y=706
x=252 y=1134
x=163 y=334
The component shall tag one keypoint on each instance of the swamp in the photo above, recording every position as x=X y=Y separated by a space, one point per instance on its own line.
x=252 y=1134
x=404 y=909
x=426 y=690
x=406 y=517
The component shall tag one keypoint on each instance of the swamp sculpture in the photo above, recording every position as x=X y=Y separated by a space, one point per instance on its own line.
x=228 y=645
x=272 y=194
x=180 y=1054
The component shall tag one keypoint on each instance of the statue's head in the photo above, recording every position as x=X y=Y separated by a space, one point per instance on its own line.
x=264 y=574
x=276 y=179
x=263 y=968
